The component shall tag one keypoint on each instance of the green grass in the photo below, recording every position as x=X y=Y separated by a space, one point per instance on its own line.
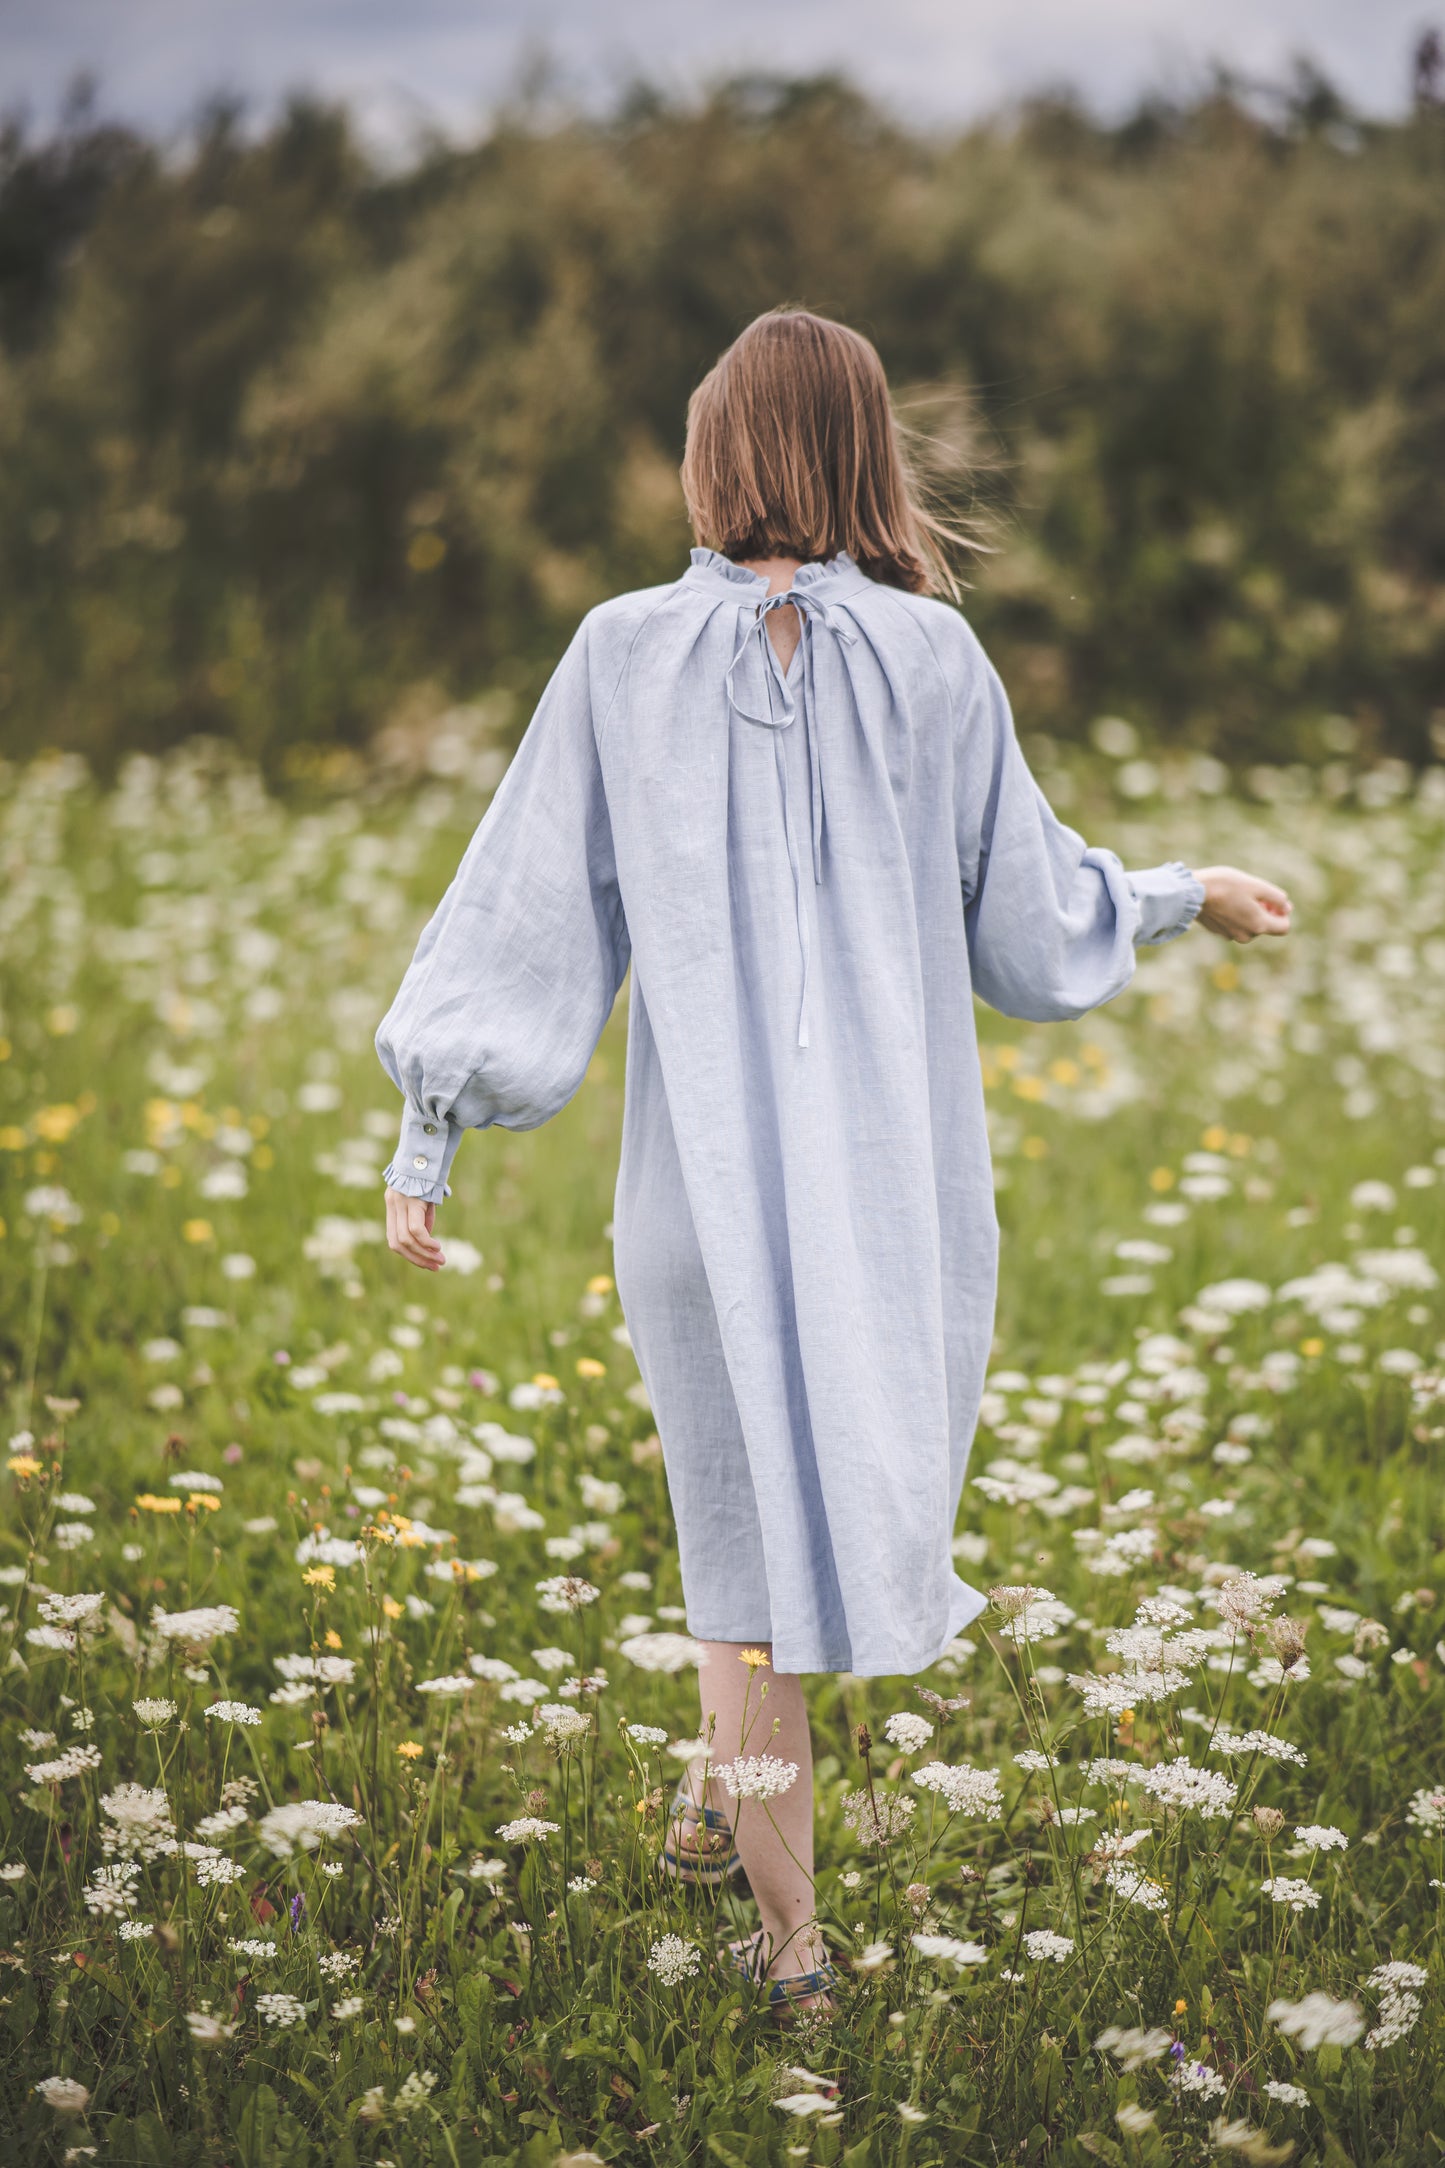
x=187 y=923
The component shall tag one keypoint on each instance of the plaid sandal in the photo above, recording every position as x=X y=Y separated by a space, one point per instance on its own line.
x=712 y=1858
x=746 y=1957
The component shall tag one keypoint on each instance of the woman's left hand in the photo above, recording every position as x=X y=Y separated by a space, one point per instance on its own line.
x=1238 y=906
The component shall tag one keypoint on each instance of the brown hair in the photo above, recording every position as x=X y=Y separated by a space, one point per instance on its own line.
x=793 y=450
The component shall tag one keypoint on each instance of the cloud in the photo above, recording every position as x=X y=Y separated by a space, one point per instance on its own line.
x=405 y=62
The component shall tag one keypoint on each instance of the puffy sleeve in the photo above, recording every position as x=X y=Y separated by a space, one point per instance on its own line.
x=516 y=971
x=1052 y=922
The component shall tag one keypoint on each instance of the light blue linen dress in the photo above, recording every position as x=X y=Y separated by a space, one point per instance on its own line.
x=812 y=872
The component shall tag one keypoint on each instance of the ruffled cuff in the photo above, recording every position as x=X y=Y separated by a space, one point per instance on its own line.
x=424 y=1154
x=1170 y=898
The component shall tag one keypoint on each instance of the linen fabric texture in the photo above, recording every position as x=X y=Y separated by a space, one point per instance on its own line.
x=811 y=873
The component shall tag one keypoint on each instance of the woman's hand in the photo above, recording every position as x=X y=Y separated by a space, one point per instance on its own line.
x=409 y=1223
x=1238 y=905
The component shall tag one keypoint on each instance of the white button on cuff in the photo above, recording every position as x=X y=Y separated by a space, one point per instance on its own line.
x=419 y=1161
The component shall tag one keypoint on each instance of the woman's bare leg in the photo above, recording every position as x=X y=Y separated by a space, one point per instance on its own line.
x=758 y=1711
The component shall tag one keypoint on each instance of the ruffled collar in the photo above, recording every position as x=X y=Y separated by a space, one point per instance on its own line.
x=709 y=568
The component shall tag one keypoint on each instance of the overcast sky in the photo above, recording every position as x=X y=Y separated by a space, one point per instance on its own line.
x=407 y=63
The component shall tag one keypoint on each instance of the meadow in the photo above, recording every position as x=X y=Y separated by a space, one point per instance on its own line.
x=345 y=1679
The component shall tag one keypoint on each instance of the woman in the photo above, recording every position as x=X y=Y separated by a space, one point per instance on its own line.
x=787 y=788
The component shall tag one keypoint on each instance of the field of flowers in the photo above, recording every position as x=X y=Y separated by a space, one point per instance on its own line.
x=345 y=1675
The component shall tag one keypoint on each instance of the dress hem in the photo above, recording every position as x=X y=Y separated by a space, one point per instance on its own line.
x=966 y=1605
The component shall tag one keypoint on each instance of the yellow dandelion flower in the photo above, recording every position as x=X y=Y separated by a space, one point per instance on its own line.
x=545 y=1379
x=392 y=1608
x=150 y=1503
x=202 y=1502
x=1162 y=1178
x=1035 y=1148
x=333 y=1639
x=409 y=1749
x=755 y=1659
x=198 y=1230
x=589 y=1367
x=600 y=1284
x=1181 y=2007
x=1214 y=1138
x=1312 y=1347
x=56 y=1123
x=320 y=1577
x=1032 y=1088
x=23 y=1465
x=1064 y=1071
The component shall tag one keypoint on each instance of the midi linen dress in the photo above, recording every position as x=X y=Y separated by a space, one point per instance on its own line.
x=812 y=872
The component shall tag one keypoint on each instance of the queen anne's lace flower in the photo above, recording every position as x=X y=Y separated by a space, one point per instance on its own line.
x=527 y=1829
x=1286 y=1890
x=908 y=1730
x=964 y=1790
x=757 y=1776
x=1318 y=2020
x=280 y=2010
x=948 y=1950
x=303 y=1824
x=1180 y=1785
x=673 y=1960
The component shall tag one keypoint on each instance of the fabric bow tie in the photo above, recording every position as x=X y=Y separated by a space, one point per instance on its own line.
x=781 y=711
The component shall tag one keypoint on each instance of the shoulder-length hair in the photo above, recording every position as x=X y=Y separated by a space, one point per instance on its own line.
x=794 y=450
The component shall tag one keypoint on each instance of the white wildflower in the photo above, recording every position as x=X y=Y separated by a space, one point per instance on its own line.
x=673 y=1960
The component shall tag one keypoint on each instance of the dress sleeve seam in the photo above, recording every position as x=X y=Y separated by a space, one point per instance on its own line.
x=600 y=727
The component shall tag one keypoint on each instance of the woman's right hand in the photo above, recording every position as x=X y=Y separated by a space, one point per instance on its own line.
x=409 y=1223
x=1238 y=906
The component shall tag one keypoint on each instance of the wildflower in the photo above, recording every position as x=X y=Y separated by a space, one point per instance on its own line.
x=1242 y=1600
x=415 y=2089
x=1030 y=1758
x=755 y=1659
x=1400 y=2005
x=1316 y=1837
x=217 y=1872
x=154 y=1712
x=877 y=1819
x=67 y=2096
x=1199 y=2078
x=757 y=1776
x=1042 y=1943
x=319 y=1577
x=527 y=1829
x=135 y=1930
x=804 y=2104
x=304 y=1823
x=410 y=1749
x=1240 y=2136
x=1427 y=1809
x=1318 y=2020
x=1136 y=1889
x=566 y=1592
x=233 y=1712
x=1226 y=1741
x=908 y=1731
x=322 y=1670
x=447 y=1687
x=1285 y=1890
x=673 y=1960
x=661 y=1651
x=109 y=1891
x=207 y=2030
x=907 y=2113
x=349 y=2006
x=646 y=1734
x=209 y=1623
x=148 y=1502
x=23 y=1466
x=874 y=1955
x=71 y=1610
x=948 y=1950
x=138 y=1823
x=14 y=1870
x=561 y=1724
x=1288 y=2096
x=1133 y=2120
x=72 y=1763
x=1132 y=2047
x=964 y=1790
x=1183 y=1787
x=253 y=1948
x=581 y=1884
x=280 y=2010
